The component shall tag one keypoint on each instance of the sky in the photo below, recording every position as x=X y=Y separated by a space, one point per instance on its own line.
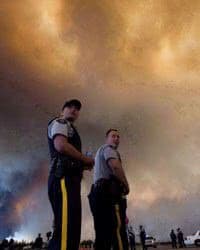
x=135 y=67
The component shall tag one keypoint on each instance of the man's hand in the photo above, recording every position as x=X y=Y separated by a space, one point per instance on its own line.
x=88 y=163
x=118 y=172
x=126 y=189
x=63 y=146
x=89 y=168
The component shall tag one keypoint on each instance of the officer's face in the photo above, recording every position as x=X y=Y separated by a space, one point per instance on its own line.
x=113 y=138
x=71 y=113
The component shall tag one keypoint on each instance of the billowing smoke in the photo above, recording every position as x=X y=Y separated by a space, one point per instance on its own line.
x=135 y=66
x=8 y=226
x=17 y=198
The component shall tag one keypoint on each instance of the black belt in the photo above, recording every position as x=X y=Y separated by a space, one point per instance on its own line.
x=109 y=186
x=101 y=183
x=61 y=167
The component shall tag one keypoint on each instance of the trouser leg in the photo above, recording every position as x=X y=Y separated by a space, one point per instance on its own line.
x=123 y=206
x=74 y=213
x=144 y=247
x=64 y=195
x=55 y=197
x=120 y=239
x=101 y=209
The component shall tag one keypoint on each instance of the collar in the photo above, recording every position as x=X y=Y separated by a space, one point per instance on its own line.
x=112 y=146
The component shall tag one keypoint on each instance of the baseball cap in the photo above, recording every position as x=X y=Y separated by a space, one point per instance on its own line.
x=73 y=102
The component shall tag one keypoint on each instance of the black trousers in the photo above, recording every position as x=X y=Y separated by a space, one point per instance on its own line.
x=132 y=244
x=144 y=247
x=65 y=199
x=109 y=221
x=174 y=245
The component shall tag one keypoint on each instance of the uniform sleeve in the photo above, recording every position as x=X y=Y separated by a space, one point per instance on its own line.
x=110 y=153
x=59 y=128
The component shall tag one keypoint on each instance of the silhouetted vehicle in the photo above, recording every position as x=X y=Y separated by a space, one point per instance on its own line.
x=27 y=247
x=193 y=239
x=150 y=241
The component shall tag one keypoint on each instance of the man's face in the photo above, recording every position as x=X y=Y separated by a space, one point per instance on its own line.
x=113 y=138
x=71 y=113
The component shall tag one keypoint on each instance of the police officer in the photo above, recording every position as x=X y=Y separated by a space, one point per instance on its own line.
x=67 y=165
x=180 y=237
x=107 y=197
x=173 y=239
x=143 y=237
x=38 y=242
x=131 y=236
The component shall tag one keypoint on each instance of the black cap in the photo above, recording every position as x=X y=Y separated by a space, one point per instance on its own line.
x=74 y=102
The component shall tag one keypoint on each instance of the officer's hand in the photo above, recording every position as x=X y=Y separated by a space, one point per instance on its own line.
x=88 y=167
x=88 y=162
x=126 y=190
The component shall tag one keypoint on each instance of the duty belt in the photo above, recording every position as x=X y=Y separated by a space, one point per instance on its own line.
x=60 y=167
x=101 y=183
x=111 y=187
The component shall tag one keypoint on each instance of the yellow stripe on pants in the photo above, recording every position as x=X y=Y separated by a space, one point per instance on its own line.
x=118 y=227
x=64 y=215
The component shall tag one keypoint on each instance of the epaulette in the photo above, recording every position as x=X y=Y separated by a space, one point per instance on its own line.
x=111 y=146
x=61 y=120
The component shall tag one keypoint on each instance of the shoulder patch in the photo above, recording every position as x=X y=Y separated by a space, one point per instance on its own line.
x=62 y=121
x=109 y=146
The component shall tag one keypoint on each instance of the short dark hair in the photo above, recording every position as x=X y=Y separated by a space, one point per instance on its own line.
x=73 y=102
x=110 y=130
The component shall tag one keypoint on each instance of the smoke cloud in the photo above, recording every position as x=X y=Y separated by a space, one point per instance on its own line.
x=17 y=198
x=135 y=66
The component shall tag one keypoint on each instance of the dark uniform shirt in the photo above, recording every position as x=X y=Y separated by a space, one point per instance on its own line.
x=63 y=127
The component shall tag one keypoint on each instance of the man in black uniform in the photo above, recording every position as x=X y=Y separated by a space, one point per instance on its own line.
x=131 y=236
x=67 y=165
x=143 y=237
x=173 y=239
x=180 y=237
x=38 y=242
x=107 y=197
